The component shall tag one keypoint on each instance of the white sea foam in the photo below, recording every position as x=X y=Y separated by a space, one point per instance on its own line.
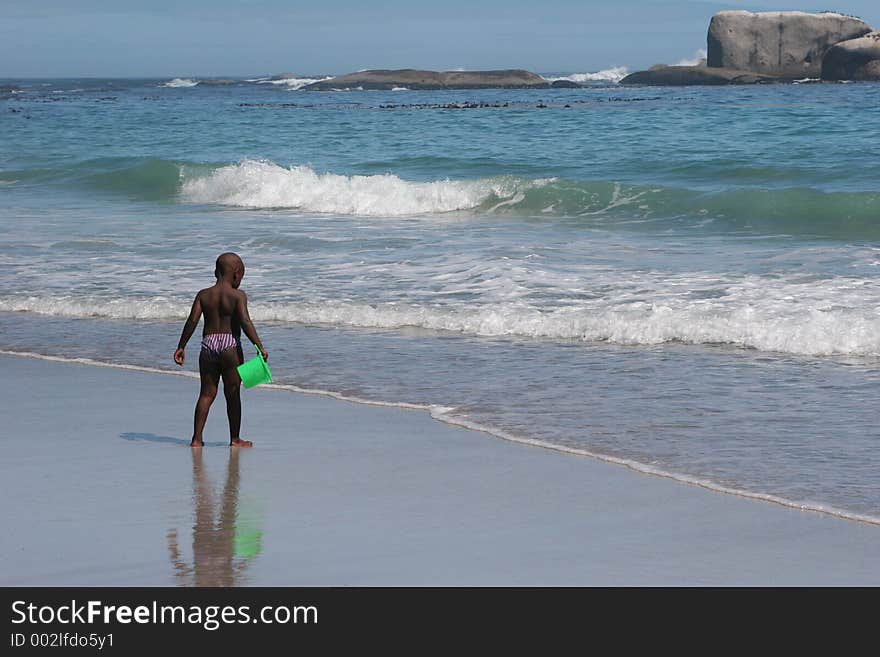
x=614 y=74
x=292 y=83
x=693 y=60
x=841 y=332
x=259 y=184
x=84 y=306
x=776 y=325
x=180 y=82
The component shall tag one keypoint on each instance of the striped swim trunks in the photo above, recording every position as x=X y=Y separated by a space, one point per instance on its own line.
x=215 y=344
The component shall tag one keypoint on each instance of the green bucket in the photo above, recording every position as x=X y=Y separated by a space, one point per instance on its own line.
x=255 y=371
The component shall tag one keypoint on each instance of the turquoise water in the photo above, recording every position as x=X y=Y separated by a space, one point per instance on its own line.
x=681 y=279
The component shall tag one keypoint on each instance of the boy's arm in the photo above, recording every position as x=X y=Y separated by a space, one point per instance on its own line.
x=244 y=320
x=192 y=322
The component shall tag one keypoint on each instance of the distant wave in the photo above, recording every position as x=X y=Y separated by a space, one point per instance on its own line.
x=614 y=74
x=771 y=324
x=180 y=82
x=292 y=83
x=693 y=60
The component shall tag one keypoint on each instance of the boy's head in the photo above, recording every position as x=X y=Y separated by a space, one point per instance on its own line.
x=229 y=266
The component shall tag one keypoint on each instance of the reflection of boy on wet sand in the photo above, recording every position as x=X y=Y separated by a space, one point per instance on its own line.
x=226 y=316
x=214 y=559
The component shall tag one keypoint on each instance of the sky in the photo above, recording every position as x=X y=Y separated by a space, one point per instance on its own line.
x=241 y=38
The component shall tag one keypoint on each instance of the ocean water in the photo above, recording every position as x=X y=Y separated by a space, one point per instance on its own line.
x=681 y=280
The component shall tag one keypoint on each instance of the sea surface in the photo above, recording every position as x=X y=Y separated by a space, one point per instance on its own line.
x=681 y=280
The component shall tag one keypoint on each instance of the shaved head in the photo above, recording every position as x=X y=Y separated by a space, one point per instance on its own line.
x=228 y=263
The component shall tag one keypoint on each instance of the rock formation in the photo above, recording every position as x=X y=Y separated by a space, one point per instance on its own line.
x=786 y=44
x=416 y=79
x=509 y=79
x=777 y=46
x=694 y=75
x=855 y=59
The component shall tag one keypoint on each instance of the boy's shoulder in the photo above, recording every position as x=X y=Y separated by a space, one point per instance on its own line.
x=239 y=296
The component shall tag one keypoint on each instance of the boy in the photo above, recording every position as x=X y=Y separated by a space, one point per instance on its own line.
x=226 y=315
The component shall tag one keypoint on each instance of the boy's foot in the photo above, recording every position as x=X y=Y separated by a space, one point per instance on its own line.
x=238 y=442
x=197 y=443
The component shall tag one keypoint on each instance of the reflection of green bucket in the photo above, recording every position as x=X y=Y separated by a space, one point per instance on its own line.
x=248 y=538
x=248 y=541
x=255 y=371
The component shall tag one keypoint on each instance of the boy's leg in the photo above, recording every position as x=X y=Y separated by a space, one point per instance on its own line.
x=230 y=360
x=209 y=375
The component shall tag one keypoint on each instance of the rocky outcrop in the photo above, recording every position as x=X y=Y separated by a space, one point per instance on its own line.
x=509 y=79
x=694 y=75
x=785 y=44
x=417 y=79
x=855 y=59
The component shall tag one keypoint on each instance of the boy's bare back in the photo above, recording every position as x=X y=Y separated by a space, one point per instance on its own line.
x=224 y=307
x=221 y=308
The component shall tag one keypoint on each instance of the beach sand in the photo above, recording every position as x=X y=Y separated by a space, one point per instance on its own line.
x=102 y=489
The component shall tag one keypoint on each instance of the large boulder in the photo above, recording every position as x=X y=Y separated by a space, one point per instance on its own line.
x=786 y=44
x=417 y=79
x=694 y=75
x=856 y=59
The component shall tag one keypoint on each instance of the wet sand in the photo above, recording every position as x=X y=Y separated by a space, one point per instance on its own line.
x=102 y=489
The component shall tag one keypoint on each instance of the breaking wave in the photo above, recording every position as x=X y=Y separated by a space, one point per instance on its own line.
x=693 y=60
x=180 y=82
x=614 y=74
x=259 y=184
x=291 y=83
